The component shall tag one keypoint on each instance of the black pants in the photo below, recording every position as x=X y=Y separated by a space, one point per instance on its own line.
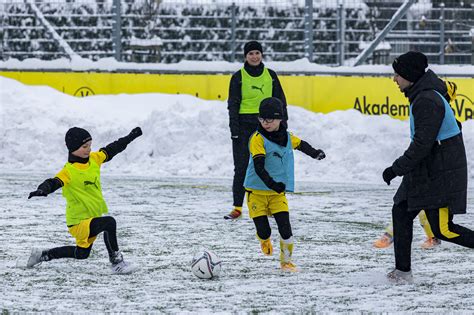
x=240 y=151
x=283 y=222
x=441 y=223
x=98 y=225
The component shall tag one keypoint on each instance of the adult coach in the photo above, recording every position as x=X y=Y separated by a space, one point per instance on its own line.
x=248 y=87
x=434 y=166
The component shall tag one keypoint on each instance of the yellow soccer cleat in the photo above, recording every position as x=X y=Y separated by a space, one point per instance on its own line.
x=286 y=250
x=430 y=243
x=289 y=266
x=267 y=247
x=384 y=241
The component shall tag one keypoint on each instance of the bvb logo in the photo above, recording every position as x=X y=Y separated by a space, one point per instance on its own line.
x=464 y=107
x=83 y=92
x=467 y=98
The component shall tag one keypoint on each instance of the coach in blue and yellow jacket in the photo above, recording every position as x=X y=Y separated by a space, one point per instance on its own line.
x=270 y=173
x=434 y=166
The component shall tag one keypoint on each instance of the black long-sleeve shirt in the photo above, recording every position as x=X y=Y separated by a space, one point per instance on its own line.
x=105 y=154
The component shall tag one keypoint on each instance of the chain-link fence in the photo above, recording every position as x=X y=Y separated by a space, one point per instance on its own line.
x=331 y=32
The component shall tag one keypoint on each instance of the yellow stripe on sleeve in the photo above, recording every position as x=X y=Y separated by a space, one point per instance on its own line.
x=257 y=145
x=295 y=141
x=64 y=176
x=99 y=157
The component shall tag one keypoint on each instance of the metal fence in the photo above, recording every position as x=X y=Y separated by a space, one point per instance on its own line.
x=324 y=31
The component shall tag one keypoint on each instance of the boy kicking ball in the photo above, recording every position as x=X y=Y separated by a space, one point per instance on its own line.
x=81 y=187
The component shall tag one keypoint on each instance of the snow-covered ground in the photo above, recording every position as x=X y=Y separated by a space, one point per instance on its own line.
x=169 y=191
x=162 y=222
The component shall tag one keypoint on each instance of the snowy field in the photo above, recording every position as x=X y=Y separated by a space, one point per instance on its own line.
x=161 y=222
x=169 y=191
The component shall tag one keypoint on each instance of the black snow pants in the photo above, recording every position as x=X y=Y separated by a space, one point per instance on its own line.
x=98 y=225
x=441 y=222
x=240 y=150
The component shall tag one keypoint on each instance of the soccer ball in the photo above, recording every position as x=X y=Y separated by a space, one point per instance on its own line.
x=206 y=264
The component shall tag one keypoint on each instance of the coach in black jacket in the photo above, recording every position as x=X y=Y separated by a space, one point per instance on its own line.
x=248 y=87
x=434 y=167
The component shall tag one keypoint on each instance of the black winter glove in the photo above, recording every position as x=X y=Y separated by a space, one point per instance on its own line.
x=37 y=193
x=279 y=187
x=135 y=133
x=388 y=175
x=318 y=154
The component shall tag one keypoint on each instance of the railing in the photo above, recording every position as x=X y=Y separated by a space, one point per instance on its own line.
x=199 y=31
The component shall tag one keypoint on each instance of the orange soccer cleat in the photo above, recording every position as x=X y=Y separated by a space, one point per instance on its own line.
x=430 y=243
x=384 y=241
x=233 y=215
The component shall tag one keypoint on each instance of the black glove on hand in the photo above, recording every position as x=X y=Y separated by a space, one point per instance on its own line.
x=318 y=154
x=135 y=133
x=279 y=187
x=37 y=193
x=388 y=175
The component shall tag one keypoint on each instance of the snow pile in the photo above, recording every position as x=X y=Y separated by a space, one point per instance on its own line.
x=187 y=136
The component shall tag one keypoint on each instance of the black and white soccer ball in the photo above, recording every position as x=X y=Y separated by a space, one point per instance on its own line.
x=206 y=264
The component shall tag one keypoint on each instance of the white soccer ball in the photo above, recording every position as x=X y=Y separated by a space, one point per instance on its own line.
x=206 y=264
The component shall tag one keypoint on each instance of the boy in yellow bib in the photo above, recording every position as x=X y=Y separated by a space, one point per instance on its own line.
x=80 y=182
x=270 y=173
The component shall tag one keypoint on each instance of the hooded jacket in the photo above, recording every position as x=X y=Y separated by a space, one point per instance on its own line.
x=434 y=173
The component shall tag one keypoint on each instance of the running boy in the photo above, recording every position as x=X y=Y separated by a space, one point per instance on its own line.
x=80 y=182
x=270 y=173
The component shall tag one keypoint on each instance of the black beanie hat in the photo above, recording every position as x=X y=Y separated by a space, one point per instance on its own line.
x=252 y=45
x=271 y=108
x=411 y=65
x=76 y=137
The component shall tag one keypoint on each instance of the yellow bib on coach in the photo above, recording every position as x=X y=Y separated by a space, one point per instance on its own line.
x=254 y=90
